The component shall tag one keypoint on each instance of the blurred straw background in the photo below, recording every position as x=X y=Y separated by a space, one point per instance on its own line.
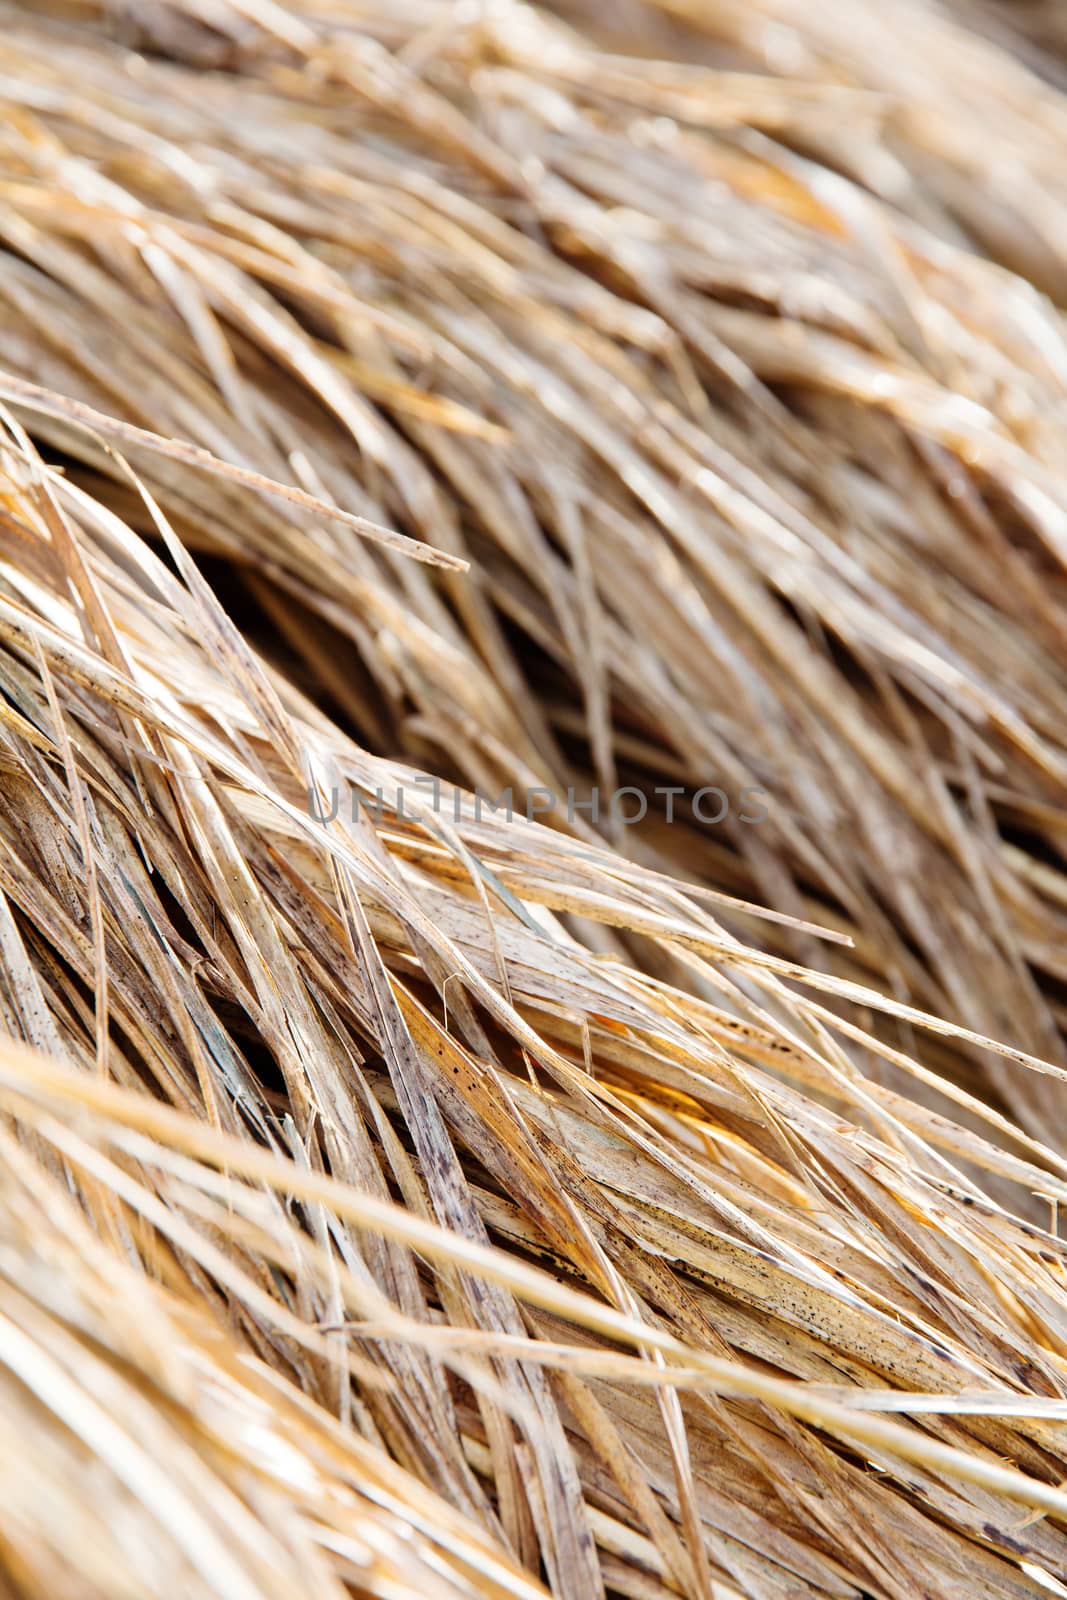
x=426 y=1201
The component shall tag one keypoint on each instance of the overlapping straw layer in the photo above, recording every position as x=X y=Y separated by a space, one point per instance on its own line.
x=399 y=1197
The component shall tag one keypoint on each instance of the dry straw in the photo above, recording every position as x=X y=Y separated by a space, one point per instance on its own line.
x=426 y=1202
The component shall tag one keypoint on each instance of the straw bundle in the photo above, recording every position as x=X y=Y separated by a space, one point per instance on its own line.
x=401 y=404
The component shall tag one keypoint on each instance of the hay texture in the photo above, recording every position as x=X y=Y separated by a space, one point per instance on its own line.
x=404 y=403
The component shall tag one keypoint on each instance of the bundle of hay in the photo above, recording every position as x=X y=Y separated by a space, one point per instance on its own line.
x=406 y=1190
